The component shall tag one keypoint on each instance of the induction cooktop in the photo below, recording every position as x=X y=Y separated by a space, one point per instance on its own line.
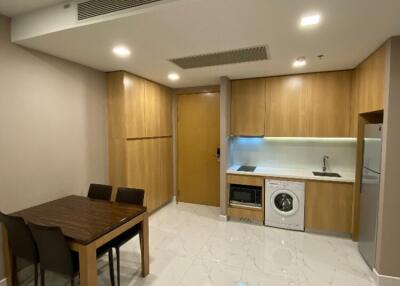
x=244 y=168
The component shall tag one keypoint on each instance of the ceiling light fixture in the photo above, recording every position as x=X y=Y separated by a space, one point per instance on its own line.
x=173 y=76
x=300 y=62
x=310 y=20
x=121 y=51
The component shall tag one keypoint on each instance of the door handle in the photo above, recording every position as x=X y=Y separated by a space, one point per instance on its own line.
x=218 y=154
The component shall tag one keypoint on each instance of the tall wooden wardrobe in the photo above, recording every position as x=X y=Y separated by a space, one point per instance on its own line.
x=140 y=136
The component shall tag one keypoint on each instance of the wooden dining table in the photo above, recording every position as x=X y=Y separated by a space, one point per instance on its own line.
x=87 y=224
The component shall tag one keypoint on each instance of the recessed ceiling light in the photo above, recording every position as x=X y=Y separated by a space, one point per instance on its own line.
x=121 y=51
x=300 y=62
x=173 y=76
x=310 y=20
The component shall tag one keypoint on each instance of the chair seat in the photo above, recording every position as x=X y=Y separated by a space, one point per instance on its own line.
x=123 y=237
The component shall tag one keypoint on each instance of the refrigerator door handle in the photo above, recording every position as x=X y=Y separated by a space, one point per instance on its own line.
x=375 y=172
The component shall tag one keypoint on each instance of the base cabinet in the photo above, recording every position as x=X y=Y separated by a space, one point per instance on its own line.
x=328 y=206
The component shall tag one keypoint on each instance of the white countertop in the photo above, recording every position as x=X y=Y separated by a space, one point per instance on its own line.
x=347 y=177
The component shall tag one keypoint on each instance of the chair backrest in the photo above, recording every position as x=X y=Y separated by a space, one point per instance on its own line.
x=130 y=196
x=100 y=192
x=54 y=252
x=20 y=237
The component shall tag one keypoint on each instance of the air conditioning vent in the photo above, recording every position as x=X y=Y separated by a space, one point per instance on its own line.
x=258 y=53
x=93 y=8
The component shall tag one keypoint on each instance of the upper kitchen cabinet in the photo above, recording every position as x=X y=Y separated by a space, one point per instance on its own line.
x=248 y=107
x=368 y=86
x=288 y=106
x=330 y=104
x=371 y=81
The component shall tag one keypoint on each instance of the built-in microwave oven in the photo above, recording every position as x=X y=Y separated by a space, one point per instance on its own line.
x=242 y=195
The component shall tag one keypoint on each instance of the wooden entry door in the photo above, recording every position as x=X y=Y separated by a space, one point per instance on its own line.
x=197 y=148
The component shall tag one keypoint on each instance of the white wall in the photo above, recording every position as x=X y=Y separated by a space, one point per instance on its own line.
x=52 y=127
x=294 y=153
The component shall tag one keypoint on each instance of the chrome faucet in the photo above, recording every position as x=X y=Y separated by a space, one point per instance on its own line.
x=324 y=163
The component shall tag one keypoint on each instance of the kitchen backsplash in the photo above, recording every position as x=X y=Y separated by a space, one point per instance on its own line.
x=294 y=153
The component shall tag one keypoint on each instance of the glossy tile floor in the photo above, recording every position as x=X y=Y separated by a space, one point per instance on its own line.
x=189 y=245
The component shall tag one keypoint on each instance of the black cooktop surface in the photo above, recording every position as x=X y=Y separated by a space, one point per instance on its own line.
x=246 y=168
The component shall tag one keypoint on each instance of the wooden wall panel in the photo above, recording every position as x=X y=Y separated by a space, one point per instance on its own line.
x=248 y=107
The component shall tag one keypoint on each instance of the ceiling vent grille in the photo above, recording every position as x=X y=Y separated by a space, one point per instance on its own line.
x=252 y=54
x=93 y=8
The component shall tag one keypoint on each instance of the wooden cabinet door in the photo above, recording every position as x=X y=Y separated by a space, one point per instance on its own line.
x=330 y=104
x=134 y=106
x=166 y=177
x=248 y=107
x=165 y=111
x=152 y=109
x=288 y=106
x=152 y=172
x=136 y=168
x=158 y=110
x=328 y=206
x=372 y=81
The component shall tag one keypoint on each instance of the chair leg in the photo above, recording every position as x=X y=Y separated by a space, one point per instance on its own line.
x=111 y=266
x=42 y=276
x=14 y=270
x=118 y=266
x=36 y=275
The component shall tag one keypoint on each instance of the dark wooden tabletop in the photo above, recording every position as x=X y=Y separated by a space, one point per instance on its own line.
x=81 y=219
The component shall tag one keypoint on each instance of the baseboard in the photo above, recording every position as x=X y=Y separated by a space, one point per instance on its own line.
x=223 y=217
x=3 y=282
x=383 y=280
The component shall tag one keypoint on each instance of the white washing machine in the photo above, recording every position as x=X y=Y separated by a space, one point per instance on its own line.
x=284 y=204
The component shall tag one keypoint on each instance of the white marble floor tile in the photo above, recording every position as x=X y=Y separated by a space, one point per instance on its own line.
x=189 y=245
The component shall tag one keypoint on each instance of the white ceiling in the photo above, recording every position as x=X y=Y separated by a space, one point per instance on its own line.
x=350 y=30
x=12 y=8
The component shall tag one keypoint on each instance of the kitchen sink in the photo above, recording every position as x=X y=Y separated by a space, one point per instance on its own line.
x=326 y=174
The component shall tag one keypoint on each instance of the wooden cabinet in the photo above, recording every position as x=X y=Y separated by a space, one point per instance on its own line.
x=312 y=105
x=330 y=104
x=328 y=206
x=140 y=137
x=243 y=212
x=368 y=86
x=288 y=111
x=371 y=81
x=248 y=107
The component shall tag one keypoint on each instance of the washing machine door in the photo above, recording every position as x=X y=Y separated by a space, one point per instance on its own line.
x=285 y=202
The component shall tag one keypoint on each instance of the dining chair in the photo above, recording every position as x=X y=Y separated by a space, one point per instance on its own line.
x=100 y=192
x=129 y=196
x=21 y=243
x=55 y=255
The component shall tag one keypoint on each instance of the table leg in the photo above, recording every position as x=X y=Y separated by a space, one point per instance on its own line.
x=144 y=245
x=7 y=257
x=88 y=265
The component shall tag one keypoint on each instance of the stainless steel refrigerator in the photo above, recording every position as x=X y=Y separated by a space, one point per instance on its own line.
x=369 y=197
